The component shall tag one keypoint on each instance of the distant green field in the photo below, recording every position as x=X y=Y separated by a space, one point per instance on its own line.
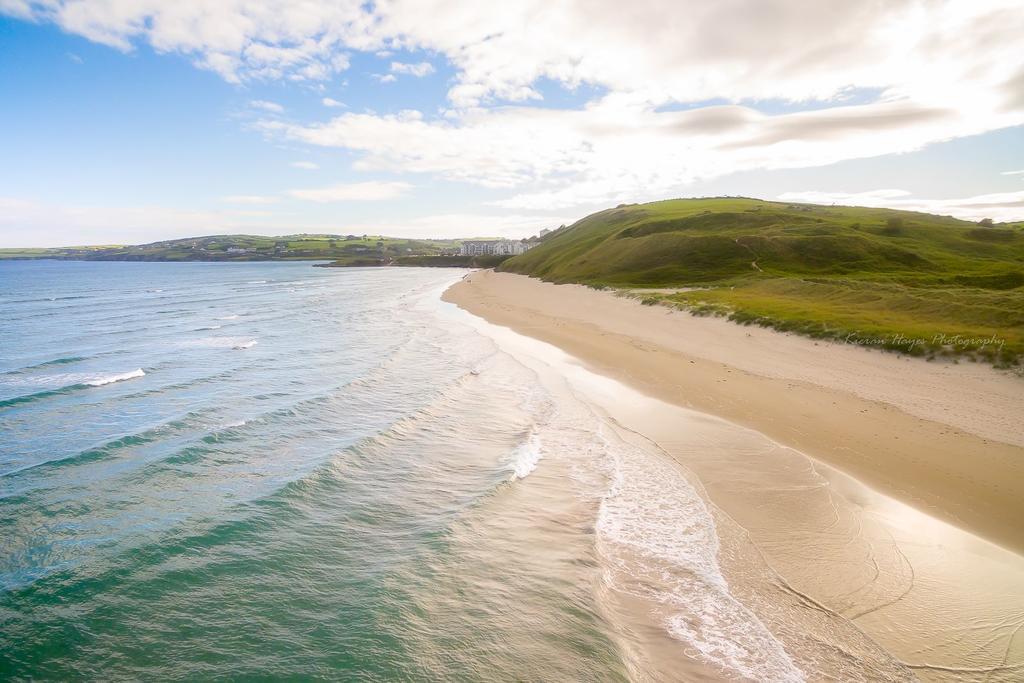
x=364 y=249
x=917 y=283
x=39 y=252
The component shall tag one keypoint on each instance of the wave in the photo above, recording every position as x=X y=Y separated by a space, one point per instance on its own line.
x=77 y=386
x=526 y=456
x=229 y=317
x=659 y=537
x=49 y=298
x=39 y=395
x=207 y=328
x=377 y=376
x=245 y=345
x=110 y=379
x=196 y=419
x=88 y=455
x=66 y=360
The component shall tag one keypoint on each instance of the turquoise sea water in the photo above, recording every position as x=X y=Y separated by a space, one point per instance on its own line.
x=274 y=470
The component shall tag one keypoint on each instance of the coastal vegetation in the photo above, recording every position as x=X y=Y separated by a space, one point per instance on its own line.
x=340 y=250
x=343 y=249
x=911 y=282
x=453 y=261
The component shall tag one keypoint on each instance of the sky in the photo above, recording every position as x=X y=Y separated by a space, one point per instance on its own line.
x=132 y=121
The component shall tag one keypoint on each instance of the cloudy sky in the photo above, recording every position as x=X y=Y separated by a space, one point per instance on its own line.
x=126 y=121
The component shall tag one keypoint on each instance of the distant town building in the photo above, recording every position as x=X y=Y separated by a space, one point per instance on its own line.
x=237 y=250
x=544 y=232
x=494 y=247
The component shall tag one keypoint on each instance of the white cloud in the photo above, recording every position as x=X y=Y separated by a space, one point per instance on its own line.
x=13 y=204
x=22 y=9
x=331 y=102
x=666 y=50
x=294 y=39
x=657 y=51
x=875 y=78
x=267 y=106
x=369 y=191
x=25 y=223
x=385 y=78
x=609 y=152
x=249 y=199
x=418 y=70
x=1020 y=172
x=451 y=225
x=1002 y=206
x=307 y=165
x=29 y=224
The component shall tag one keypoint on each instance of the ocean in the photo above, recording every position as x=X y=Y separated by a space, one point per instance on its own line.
x=270 y=470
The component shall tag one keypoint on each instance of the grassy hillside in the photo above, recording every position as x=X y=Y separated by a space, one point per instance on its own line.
x=912 y=282
x=346 y=249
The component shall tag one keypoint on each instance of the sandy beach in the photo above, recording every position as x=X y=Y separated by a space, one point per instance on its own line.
x=948 y=439
x=884 y=491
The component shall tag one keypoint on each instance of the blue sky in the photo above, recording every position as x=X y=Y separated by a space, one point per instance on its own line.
x=130 y=122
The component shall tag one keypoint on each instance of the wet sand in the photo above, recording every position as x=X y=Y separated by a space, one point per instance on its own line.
x=877 y=536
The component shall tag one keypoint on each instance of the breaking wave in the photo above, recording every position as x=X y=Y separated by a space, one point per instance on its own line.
x=659 y=538
x=526 y=456
x=79 y=382
x=110 y=379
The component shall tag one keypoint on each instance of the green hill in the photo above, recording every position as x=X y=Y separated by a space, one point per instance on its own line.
x=912 y=282
x=343 y=249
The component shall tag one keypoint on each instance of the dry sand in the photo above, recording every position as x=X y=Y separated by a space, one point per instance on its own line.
x=855 y=531
x=947 y=439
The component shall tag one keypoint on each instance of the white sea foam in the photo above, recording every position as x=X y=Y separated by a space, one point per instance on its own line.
x=655 y=510
x=656 y=537
x=229 y=317
x=526 y=456
x=660 y=540
x=110 y=379
x=208 y=327
x=245 y=345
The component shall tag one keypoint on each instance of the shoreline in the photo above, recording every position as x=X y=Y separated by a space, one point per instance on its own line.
x=809 y=546
x=896 y=424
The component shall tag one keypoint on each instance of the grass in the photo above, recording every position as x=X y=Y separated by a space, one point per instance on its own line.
x=938 y=321
x=910 y=282
x=40 y=252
